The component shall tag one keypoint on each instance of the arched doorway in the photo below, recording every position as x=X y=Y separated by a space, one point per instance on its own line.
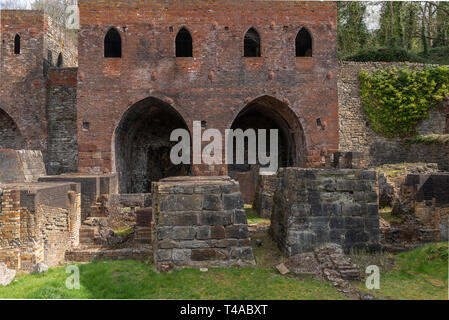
x=269 y=113
x=10 y=136
x=142 y=145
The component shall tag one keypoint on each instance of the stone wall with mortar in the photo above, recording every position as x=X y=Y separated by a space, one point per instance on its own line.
x=317 y=206
x=357 y=135
x=39 y=223
x=199 y=221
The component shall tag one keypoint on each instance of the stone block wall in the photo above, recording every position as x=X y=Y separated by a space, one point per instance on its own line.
x=199 y=221
x=356 y=134
x=92 y=188
x=263 y=199
x=317 y=206
x=39 y=223
x=62 y=128
x=21 y=165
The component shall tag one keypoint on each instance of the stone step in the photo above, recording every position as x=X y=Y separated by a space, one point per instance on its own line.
x=96 y=253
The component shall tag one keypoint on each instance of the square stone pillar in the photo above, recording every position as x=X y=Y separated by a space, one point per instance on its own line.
x=199 y=222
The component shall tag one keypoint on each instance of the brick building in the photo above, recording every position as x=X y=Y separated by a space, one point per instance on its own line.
x=148 y=67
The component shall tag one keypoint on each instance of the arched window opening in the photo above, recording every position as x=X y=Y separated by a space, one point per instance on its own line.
x=60 y=61
x=17 y=44
x=184 y=47
x=252 y=43
x=303 y=44
x=113 y=44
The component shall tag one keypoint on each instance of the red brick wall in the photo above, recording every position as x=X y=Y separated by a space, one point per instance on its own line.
x=22 y=85
x=217 y=83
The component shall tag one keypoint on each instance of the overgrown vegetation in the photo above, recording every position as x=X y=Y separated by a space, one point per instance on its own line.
x=397 y=99
x=394 y=31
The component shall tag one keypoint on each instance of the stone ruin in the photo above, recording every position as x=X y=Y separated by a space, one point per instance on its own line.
x=313 y=207
x=108 y=159
x=200 y=221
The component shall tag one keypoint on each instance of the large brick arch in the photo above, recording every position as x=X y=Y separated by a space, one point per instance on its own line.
x=141 y=145
x=10 y=134
x=268 y=112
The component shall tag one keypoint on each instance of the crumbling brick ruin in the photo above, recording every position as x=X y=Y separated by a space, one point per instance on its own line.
x=98 y=105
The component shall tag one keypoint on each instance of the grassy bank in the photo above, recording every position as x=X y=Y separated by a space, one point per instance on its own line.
x=418 y=274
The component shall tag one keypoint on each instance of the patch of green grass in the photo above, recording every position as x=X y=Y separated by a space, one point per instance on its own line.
x=253 y=217
x=420 y=274
x=387 y=215
x=137 y=280
x=125 y=231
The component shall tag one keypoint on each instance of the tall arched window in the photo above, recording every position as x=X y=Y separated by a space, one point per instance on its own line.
x=184 y=47
x=303 y=43
x=113 y=44
x=17 y=44
x=60 y=62
x=251 y=43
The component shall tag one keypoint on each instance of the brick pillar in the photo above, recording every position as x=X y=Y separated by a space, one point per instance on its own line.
x=10 y=229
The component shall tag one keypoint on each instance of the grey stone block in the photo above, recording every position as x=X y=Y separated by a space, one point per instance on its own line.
x=233 y=201
x=215 y=218
x=212 y=202
x=239 y=217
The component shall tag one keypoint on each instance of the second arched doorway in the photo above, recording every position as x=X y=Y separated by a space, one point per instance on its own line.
x=267 y=112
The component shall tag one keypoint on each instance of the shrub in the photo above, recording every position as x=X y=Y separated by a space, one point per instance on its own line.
x=397 y=99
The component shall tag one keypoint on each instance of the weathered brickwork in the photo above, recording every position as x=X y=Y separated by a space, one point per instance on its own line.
x=199 y=221
x=357 y=135
x=23 y=89
x=214 y=85
x=318 y=206
x=39 y=222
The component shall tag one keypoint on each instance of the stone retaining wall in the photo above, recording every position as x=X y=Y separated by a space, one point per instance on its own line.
x=318 y=206
x=357 y=135
x=199 y=221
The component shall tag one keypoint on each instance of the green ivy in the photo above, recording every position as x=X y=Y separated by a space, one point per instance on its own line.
x=397 y=99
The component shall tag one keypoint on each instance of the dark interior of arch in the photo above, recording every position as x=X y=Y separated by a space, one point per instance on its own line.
x=303 y=44
x=17 y=44
x=252 y=43
x=184 y=47
x=143 y=146
x=263 y=114
x=112 y=44
x=10 y=136
x=60 y=62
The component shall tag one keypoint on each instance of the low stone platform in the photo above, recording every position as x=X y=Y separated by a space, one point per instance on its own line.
x=200 y=222
x=92 y=253
x=93 y=186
